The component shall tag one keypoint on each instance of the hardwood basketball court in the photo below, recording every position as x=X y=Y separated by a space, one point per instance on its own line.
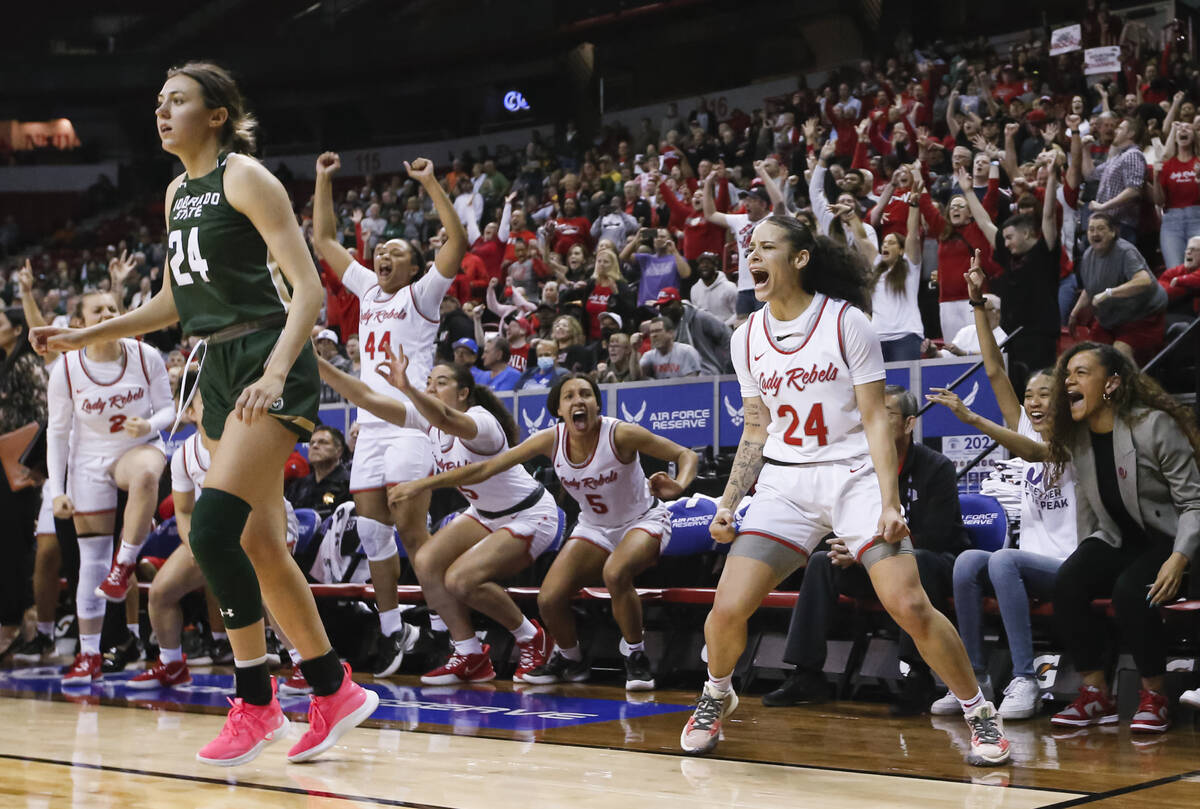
x=500 y=746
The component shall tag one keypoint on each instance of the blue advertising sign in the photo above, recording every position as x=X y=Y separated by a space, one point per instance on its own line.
x=337 y=416
x=730 y=416
x=682 y=413
x=901 y=376
x=174 y=442
x=976 y=393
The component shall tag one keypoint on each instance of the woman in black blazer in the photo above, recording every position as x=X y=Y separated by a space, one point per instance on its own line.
x=1134 y=450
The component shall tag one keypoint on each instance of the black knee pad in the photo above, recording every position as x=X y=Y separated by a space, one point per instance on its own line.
x=216 y=541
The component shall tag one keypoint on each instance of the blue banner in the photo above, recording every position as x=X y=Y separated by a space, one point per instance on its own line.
x=730 y=416
x=174 y=442
x=682 y=413
x=532 y=415
x=901 y=376
x=975 y=391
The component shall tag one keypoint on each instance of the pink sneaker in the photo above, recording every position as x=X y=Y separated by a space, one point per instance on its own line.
x=116 y=583
x=329 y=718
x=534 y=653
x=248 y=729
x=162 y=675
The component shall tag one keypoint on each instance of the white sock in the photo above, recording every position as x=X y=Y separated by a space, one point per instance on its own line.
x=525 y=632
x=722 y=685
x=470 y=646
x=574 y=654
x=170 y=655
x=246 y=664
x=626 y=649
x=46 y=628
x=216 y=636
x=295 y=656
x=390 y=622
x=972 y=703
x=437 y=624
x=134 y=630
x=127 y=554
x=89 y=644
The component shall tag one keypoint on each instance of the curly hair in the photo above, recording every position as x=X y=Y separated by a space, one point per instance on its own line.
x=1135 y=390
x=832 y=269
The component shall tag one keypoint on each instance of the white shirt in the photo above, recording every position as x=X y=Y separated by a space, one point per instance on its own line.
x=719 y=300
x=968 y=339
x=1047 y=511
x=408 y=317
x=742 y=228
x=805 y=370
x=611 y=493
x=499 y=492
x=897 y=314
x=826 y=218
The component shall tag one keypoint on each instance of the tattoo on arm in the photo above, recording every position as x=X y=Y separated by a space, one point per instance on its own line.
x=748 y=461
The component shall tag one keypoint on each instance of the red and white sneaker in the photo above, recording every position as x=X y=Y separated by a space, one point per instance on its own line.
x=1091 y=707
x=162 y=675
x=534 y=653
x=460 y=668
x=1151 y=715
x=989 y=745
x=116 y=583
x=248 y=729
x=329 y=718
x=294 y=684
x=84 y=671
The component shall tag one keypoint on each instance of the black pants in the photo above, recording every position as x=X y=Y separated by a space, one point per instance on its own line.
x=1098 y=570
x=813 y=613
x=1028 y=353
x=18 y=515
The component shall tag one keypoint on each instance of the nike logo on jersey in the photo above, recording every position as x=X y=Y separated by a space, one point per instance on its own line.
x=760 y=356
x=852 y=471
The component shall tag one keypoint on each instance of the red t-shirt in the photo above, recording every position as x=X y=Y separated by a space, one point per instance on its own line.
x=492 y=254
x=1180 y=184
x=476 y=274
x=597 y=304
x=527 y=235
x=570 y=232
x=519 y=357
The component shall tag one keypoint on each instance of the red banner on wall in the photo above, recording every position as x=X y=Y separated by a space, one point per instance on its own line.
x=20 y=136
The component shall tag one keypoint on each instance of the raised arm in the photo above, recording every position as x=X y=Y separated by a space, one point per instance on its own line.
x=540 y=443
x=710 y=208
x=993 y=359
x=885 y=196
x=1019 y=445
x=449 y=258
x=912 y=239
x=455 y=422
x=977 y=210
x=778 y=206
x=1050 y=203
x=359 y=394
x=1010 y=150
x=324 y=232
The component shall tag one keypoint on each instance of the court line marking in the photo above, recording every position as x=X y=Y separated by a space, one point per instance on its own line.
x=224 y=782
x=121 y=702
x=1126 y=790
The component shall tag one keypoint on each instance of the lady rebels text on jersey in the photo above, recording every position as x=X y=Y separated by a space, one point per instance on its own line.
x=805 y=371
x=96 y=399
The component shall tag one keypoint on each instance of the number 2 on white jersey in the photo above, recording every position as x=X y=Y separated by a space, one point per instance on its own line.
x=196 y=262
x=814 y=425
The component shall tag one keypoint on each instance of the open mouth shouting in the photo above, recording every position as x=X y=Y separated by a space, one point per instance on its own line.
x=579 y=417
x=1037 y=416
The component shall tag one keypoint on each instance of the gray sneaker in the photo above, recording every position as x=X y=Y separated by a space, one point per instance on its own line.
x=703 y=731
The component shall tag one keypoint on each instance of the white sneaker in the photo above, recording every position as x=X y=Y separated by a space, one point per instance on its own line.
x=989 y=746
x=1021 y=699
x=946 y=706
x=703 y=730
x=1191 y=697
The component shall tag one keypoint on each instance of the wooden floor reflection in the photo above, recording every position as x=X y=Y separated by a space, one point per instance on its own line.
x=115 y=756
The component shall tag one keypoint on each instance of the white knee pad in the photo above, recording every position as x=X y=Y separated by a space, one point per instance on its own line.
x=95 y=558
x=376 y=539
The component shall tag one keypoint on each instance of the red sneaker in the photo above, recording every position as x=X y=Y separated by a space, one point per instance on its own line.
x=1092 y=707
x=1151 y=715
x=84 y=671
x=116 y=583
x=329 y=718
x=162 y=675
x=248 y=729
x=294 y=684
x=534 y=653
x=460 y=668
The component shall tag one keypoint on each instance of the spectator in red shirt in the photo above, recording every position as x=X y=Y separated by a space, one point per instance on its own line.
x=699 y=235
x=1177 y=190
x=490 y=246
x=570 y=228
x=517 y=230
x=1182 y=283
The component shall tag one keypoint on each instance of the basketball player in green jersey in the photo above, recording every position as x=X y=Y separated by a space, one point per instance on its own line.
x=241 y=277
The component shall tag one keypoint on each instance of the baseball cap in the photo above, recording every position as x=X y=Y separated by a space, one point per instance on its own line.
x=667 y=295
x=710 y=255
x=614 y=316
x=328 y=334
x=523 y=322
x=759 y=192
x=467 y=343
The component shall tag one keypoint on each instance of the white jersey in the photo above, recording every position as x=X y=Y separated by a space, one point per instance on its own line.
x=498 y=493
x=95 y=399
x=408 y=317
x=611 y=493
x=189 y=465
x=742 y=229
x=1047 y=510
x=805 y=371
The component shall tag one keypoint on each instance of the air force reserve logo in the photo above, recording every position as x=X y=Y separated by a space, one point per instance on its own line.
x=636 y=419
x=533 y=425
x=737 y=415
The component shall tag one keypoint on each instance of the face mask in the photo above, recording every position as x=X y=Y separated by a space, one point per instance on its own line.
x=545 y=363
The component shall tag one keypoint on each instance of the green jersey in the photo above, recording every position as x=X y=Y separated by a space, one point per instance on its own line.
x=221 y=272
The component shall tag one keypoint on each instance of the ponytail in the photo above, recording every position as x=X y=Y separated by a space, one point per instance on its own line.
x=488 y=400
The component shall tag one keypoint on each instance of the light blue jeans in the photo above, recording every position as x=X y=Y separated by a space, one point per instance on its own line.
x=1014 y=575
x=1178 y=225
